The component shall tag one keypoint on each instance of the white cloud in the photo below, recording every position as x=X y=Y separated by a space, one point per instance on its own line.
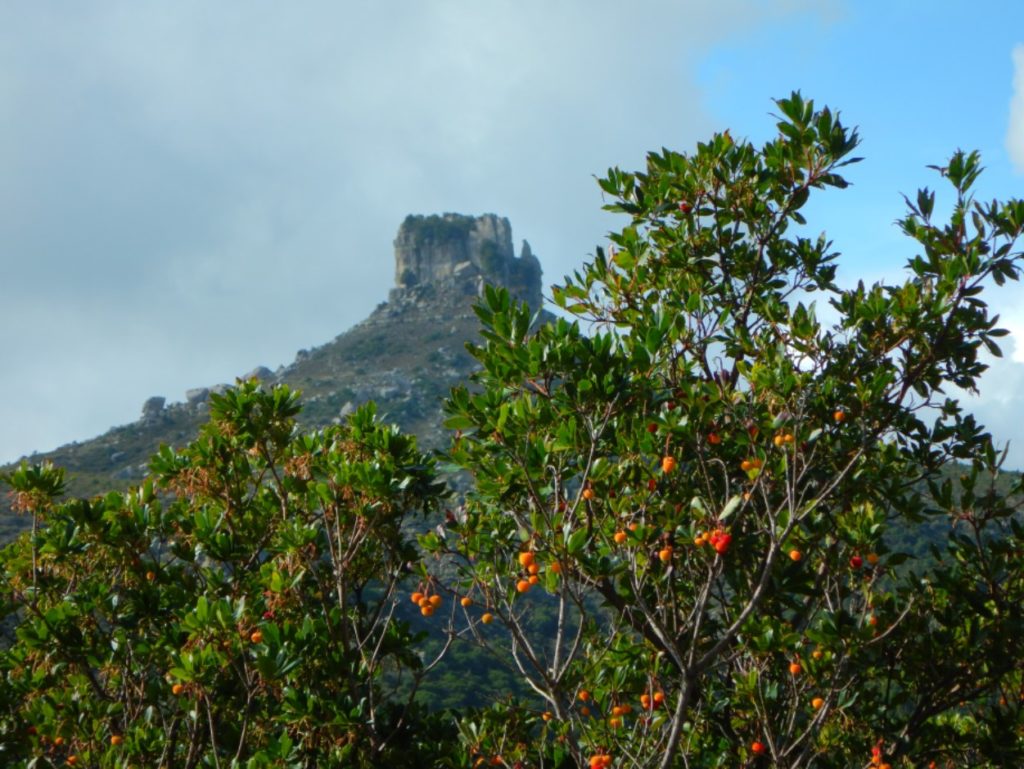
x=1015 y=131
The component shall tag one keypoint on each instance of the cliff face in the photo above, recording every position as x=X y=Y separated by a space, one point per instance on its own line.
x=457 y=254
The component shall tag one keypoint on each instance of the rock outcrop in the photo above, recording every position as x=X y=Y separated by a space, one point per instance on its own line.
x=153 y=407
x=457 y=254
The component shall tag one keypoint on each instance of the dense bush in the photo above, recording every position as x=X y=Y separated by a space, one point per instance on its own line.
x=723 y=470
x=238 y=608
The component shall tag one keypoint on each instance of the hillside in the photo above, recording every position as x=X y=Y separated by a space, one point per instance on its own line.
x=405 y=355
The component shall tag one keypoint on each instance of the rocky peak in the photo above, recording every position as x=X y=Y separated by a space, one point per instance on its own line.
x=453 y=253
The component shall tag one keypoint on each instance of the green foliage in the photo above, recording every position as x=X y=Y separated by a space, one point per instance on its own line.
x=688 y=538
x=723 y=473
x=236 y=608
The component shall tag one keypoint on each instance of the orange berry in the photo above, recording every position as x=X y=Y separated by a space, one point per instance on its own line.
x=626 y=709
x=177 y=689
x=620 y=537
x=817 y=654
x=526 y=558
x=839 y=415
x=668 y=464
x=795 y=555
x=658 y=698
x=427 y=610
x=873 y=620
x=817 y=702
x=116 y=739
x=795 y=668
x=487 y=618
x=533 y=568
x=746 y=465
x=588 y=493
x=714 y=439
x=556 y=567
x=789 y=438
x=523 y=585
x=424 y=601
x=721 y=543
x=416 y=597
x=534 y=579
x=614 y=722
x=436 y=601
x=584 y=711
x=645 y=701
x=757 y=747
x=58 y=741
x=547 y=715
x=665 y=554
x=150 y=575
x=256 y=637
x=778 y=440
x=873 y=558
x=72 y=760
x=584 y=695
x=466 y=601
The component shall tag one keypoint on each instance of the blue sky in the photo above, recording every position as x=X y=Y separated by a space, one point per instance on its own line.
x=919 y=79
x=190 y=190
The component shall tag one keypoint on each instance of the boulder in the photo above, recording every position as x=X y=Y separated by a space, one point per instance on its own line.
x=197 y=395
x=153 y=407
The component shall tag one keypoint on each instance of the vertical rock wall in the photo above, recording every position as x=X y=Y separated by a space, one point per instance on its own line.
x=460 y=253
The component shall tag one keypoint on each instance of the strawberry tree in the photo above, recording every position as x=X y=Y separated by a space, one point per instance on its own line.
x=239 y=608
x=702 y=477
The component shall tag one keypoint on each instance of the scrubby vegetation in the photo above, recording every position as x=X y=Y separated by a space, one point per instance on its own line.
x=688 y=535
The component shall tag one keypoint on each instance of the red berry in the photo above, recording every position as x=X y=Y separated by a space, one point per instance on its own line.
x=856 y=562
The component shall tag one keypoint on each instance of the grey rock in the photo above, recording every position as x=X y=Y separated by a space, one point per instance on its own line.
x=261 y=373
x=153 y=406
x=457 y=254
x=197 y=395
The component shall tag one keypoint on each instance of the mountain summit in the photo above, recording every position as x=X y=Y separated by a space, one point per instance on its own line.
x=458 y=254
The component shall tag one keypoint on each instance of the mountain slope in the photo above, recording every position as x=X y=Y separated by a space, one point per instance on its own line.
x=405 y=355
